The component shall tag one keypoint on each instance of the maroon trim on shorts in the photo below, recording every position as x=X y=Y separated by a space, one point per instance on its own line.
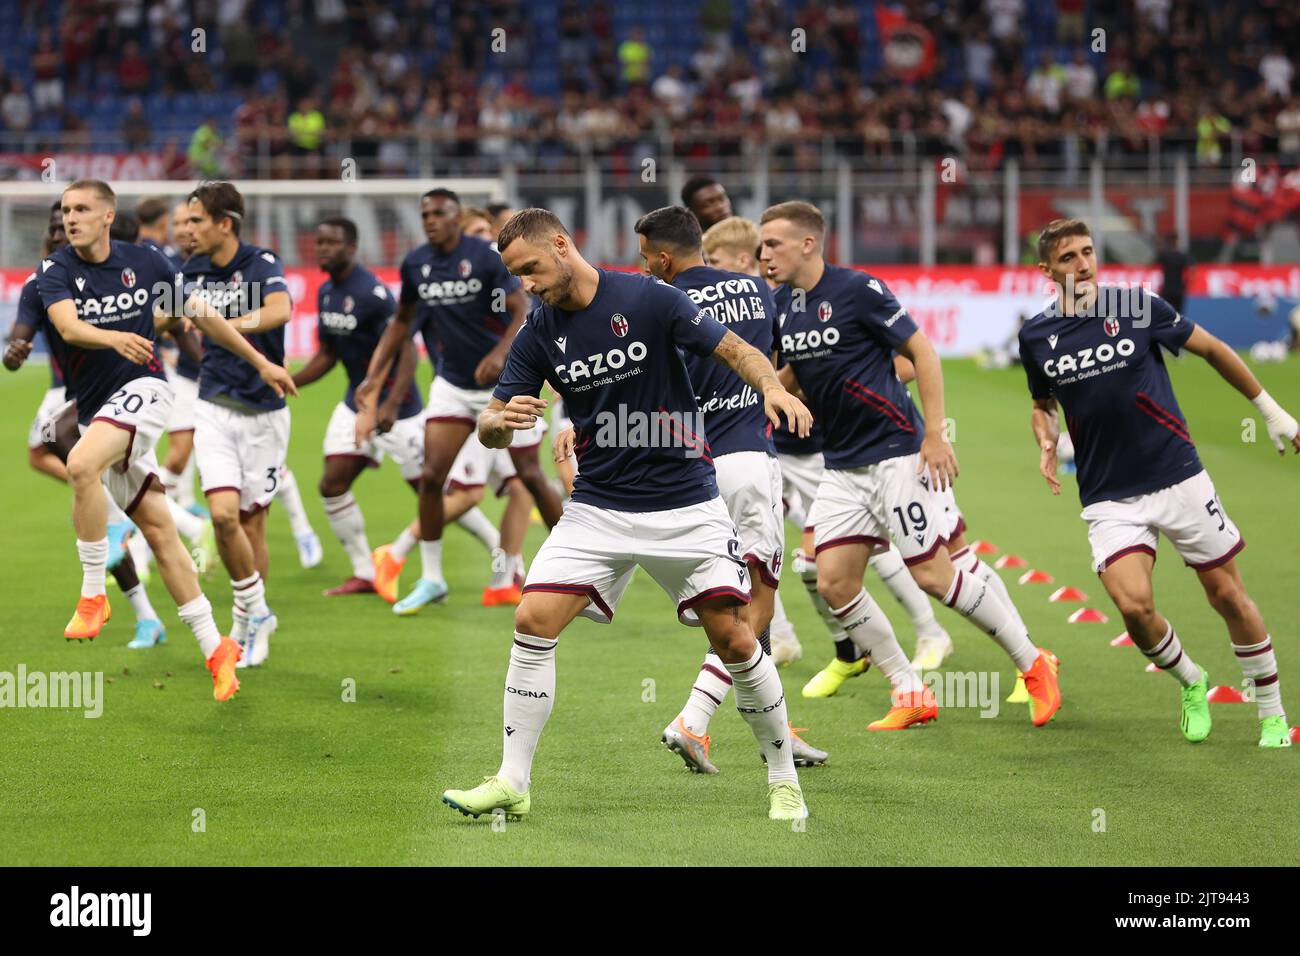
x=708 y=593
x=1224 y=559
x=126 y=460
x=847 y=539
x=454 y=485
x=139 y=495
x=587 y=589
x=212 y=491
x=754 y=561
x=1131 y=549
x=449 y=418
x=922 y=558
x=255 y=510
x=960 y=530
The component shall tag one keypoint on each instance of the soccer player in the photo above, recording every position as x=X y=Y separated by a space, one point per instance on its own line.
x=608 y=342
x=241 y=422
x=740 y=447
x=1096 y=351
x=353 y=309
x=477 y=222
x=885 y=467
x=734 y=244
x=471 y=308
x=706 y=198
x=104 y=298
x=500 y=213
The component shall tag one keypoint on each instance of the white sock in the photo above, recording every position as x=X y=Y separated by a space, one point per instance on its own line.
x=288 y=496
x=872 y=634
x=197 y=614
x=889 y=565
x=795 y=515
x=94 y=561
x=530 y=694
x=970 y=562
x=250 y=595
x=780 y=622
x=517 y=568
x=761 y=701
x=712 y=684
x=431 y=558
x=1260 y=664
x=976 y=601
x=405 y=544
x=500 y=569
x=1168 y=656
x=476 y=523
x=140 y=604
x=189 y=525
x=807 y=570
x=349 y=525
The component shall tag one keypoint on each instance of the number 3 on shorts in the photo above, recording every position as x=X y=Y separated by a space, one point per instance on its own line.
x=271 y=479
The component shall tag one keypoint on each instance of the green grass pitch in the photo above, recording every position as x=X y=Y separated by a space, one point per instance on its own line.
x=290 y=773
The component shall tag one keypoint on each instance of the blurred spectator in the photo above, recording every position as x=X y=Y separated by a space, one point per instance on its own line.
x=1277 y=71
x=1046 y=83
x=1174 y=264
x=16 y=107
x=1069 y=21
x=133 y=69
x=1288 y=131
x=1080 y=77
x=204 y=151
x=634 y=57
x=306 y=126
x=1211 y=128
x=137 y=134
x=1122 y=82
x=47 y=74
x=672 y=91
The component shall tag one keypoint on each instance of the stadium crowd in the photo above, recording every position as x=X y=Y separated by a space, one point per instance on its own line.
x=987 y=79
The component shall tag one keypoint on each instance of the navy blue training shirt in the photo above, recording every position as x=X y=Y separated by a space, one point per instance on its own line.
x=351 y=318
x=186 y=367
x=234 y=290
x=118 y=294
x=733 y=412
x=31 y=313
x=841 y=346
x=456 y=293
x=614 y=363
x=1130 y=437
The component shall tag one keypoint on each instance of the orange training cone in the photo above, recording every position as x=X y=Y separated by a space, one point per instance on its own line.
x=1122 y=641
x=1010 y=561
x=984 y=547
x=1152 y=669
x=1036 y=577
x=1068 y=594
x=1087 y=615
x=1223 y=694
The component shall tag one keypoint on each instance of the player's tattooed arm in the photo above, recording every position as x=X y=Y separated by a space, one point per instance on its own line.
x=1047 y=429
x=756 y=370
x=132 y=347
x=19 y=347
x=318 y=365
x=500 y=420
x=1282 y=427
x=936 y=456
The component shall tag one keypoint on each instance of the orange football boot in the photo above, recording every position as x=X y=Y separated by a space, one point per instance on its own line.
x=1044 y=689
x=510 y=594
x=388 y=568
x=89 y=619
x=910 y=709
x=222 y=667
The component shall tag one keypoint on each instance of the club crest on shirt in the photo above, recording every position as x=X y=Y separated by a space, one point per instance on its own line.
x=424 y=270
x=1111 y=327
x=824 y=312
x=348 y=303
x=128 y=277
x=618 y=324
x=236 y=277
x=465 y=268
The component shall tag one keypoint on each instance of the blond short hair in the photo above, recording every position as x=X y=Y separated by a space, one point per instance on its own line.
x=734 y=234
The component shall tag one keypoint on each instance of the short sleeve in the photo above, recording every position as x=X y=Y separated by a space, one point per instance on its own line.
x=383 y=303
x=29 y=312
x=410 y=293
x=1168 y=327
x=52 y=280
x=526 y=366
x=885 y=318
x=168 y=285
x=1040 y=386
x=691 y=328
x=270 y=273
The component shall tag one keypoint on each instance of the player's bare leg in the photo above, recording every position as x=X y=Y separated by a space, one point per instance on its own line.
x=47 y=463
x=1252 y=647
x=252 y=619
x=528 y=467
x=348 y=522
x=529 y=697
x=443 y=441
x=1128 y=582
x=506 y=585
x=180 y=452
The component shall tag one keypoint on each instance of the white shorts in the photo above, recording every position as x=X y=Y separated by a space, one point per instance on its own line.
x=142 y=408
x=476 y=465
x=750 y=484
x=450 y=403
x=1189 y=514
x=953 y=522
x=693 y=553
x=187 y=393
x=530 y=437
x=877 y=503
x=240 y=451
x=800 y=476
x=54 y=399
x=404 y=442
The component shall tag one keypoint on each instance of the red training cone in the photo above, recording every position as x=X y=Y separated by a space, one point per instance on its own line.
x=1036 y=577
x=1010 y=561
x=1068 y=594
x=1122 y=641
x=1223 y=694
x=984 y=547
x=1152 y=669
x=1295 y=735
x=1087 y=615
